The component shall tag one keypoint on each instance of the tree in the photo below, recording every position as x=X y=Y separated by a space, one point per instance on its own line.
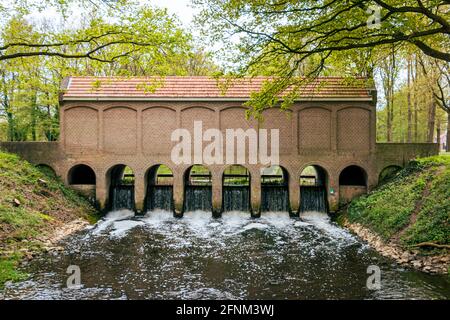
x=83 y=43
x=437 y=74
x=30 y=83
x=314 y=31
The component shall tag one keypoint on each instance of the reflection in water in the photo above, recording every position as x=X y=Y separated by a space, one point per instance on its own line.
x=197 y=257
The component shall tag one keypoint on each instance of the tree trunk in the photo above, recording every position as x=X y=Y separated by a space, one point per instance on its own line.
x=438 y=132
x=447 y=144
x=33 y=123
x=416 y=112
x=388 y=119
x=431 y=120
x=409 y=138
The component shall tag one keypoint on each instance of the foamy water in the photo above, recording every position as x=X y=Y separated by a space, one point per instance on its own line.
x=158 y=256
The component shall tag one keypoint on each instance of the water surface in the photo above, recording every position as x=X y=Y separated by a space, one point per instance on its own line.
x=234 y=257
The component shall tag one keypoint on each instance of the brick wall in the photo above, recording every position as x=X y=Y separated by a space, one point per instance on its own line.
x=332 y=135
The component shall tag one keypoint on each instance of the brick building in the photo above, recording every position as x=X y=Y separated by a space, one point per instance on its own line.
x=109 y=123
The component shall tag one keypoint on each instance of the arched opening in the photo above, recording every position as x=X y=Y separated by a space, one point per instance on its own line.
x=81 y=175
x=388 y=173
x=313 y=189
x=47 y=170
x=197 y=189
x=352 y=183
x=121 y=187
x=274 y=189
x=236 y=189
x=82 y=178
x=159 y=195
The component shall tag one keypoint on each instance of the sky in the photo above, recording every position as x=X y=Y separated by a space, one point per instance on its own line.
x=181 y=8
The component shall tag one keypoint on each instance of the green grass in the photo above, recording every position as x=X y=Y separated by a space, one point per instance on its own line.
x=421 y=189
x=44 y=203
x=8 y=270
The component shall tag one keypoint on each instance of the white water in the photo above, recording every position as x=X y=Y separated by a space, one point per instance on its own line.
x=201 y=225
x=198 y=256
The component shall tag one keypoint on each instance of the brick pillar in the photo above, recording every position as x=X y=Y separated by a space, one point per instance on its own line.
x=333 y=199
x=139 y=191
x=216 y=193
x=178 y=193
x=255 y=192
x=294 y=193
x=101 y=189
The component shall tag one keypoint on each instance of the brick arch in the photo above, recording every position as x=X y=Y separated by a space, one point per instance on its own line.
x=187 y=170
x=89 y=106
x=156 y=166
x=108 y=171
x=315 y=106
x=352 y=186
x=118 y=106
x=233 y=107
x=388 y=171
x=89 y=176
x=239 y=165
x=195 y=106
x=159 y=107
x=48 y=167
x=319 y=163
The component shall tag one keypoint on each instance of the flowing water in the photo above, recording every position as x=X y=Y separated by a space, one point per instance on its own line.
x=160 y=197
x=198 y=198
x=313 y=199
x=122 y=197
x=274 y=198
x=199 y=257
x=236 y=198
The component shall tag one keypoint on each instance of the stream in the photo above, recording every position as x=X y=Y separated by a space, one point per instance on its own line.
x=234 y=257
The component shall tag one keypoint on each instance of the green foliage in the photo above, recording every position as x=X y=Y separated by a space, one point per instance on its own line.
x=8 y=270
x=123 y=38
x=296 y=41
x=422 y=191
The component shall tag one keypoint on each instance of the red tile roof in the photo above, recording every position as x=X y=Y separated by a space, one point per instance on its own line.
x=200 y=88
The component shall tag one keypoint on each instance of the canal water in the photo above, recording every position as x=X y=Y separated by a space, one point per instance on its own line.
x=233 y=257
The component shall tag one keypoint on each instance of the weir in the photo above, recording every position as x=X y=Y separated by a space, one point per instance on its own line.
x=159 y=189
x=117 y=123
x=313 y=199
x=313 y=190
x=274 y=190
x=236 y=189
x=121 y=188
x=198 y=189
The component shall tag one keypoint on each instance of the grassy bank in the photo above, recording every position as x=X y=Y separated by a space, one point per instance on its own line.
x=33 y=203
x=412 y=209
